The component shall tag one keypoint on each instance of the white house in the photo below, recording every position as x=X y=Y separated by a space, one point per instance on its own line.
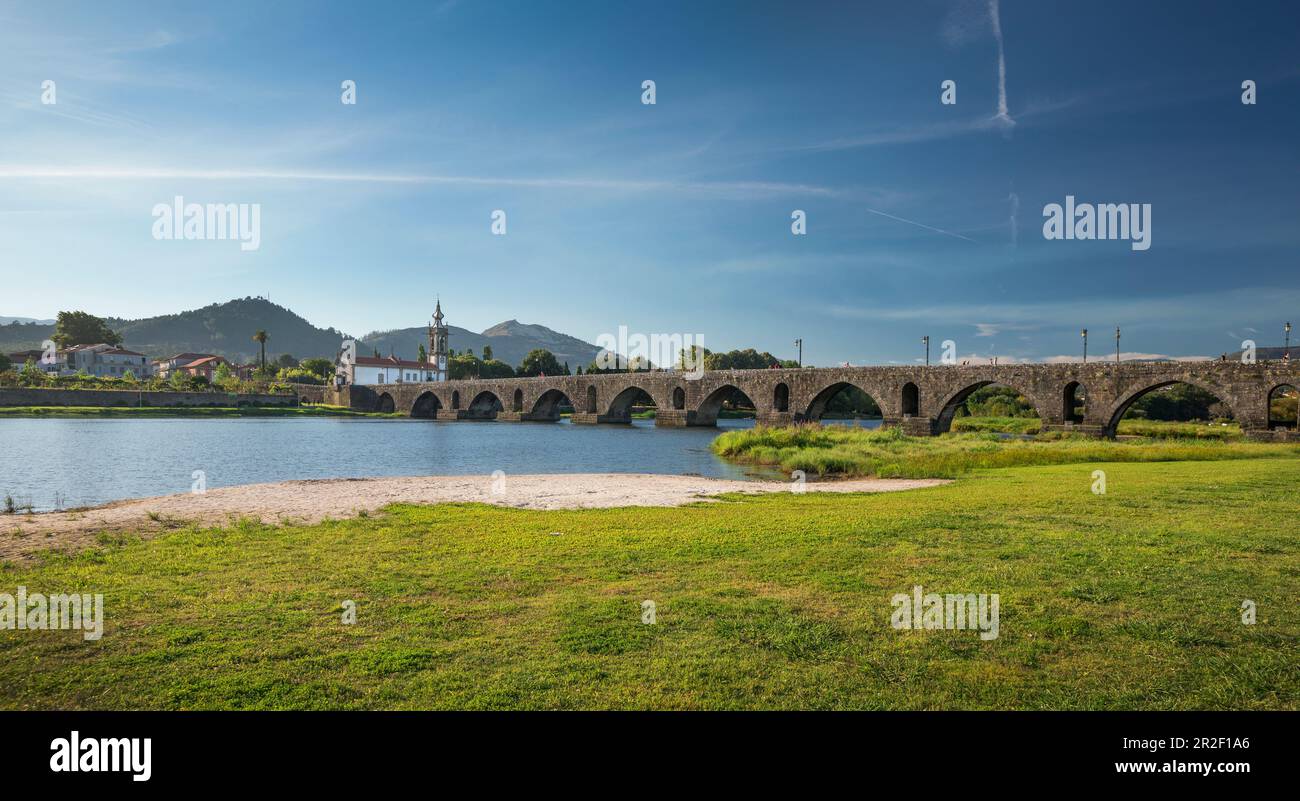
x=388 y=370
x=104 y=361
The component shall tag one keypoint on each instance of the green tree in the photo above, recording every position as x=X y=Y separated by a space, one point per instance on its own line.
x=423 y=355
x=540 y=361
x=5 y=362
x=464 y=366
x=260 y=338
x=324 y=368
x=287 y=361
x=81 y=328
x=495 y=368
x=29 y=374
x=487 y=353
x=223 y=373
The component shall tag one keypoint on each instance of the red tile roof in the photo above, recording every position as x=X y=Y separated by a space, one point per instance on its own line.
x=391 y=361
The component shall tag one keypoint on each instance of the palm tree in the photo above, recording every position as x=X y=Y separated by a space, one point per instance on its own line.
x=260 y=337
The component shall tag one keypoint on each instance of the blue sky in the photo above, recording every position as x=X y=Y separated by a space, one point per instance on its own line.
x=923 y=218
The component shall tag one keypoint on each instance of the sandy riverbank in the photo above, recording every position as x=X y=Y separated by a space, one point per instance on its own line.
x=22 y=535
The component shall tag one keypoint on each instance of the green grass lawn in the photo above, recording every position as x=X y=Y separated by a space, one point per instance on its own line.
x=1127 y=600
x=188 y=411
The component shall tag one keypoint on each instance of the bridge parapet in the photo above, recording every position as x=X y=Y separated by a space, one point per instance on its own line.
x=920 y=399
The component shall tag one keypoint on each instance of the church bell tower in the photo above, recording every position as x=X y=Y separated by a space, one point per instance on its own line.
x=438 y=344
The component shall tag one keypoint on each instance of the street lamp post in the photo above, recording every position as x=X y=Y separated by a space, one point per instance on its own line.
x=1287 y=329
x=1117 y=345
x=798 y=343
x=1084 y=334
x=926 y=340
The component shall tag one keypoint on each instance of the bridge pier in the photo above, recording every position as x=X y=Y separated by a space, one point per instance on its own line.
x=774 y=419
x=913 y=426
x=592 y=418
x=682 y=418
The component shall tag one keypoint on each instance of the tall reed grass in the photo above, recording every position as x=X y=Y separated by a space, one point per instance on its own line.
x=888 y=453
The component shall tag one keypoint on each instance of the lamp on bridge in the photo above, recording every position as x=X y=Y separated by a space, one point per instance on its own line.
x=1287 y=329
x=926 y=340
x=798 y=343
x=1084 y=334
x=1116 y=344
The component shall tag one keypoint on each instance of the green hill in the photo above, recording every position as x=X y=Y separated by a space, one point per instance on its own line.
x=226 y=329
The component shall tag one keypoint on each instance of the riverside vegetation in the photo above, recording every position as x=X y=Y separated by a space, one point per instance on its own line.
x=888 y=453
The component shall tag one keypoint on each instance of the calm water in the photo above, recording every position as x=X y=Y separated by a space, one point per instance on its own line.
x=64 y=463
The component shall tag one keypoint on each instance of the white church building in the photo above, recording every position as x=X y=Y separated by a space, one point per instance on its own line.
x=364 y=370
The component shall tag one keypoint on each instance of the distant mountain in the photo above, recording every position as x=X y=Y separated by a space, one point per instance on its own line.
x=17 y=336
x=510 y=341
x=7 y=320
x=226 y=329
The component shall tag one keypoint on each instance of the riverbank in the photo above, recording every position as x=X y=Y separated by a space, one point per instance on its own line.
x=1127 y=600
x=306 y=502
x=188 y=411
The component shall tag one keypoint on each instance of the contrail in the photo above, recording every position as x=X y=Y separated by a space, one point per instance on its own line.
x=995 y=18
x=923 y=225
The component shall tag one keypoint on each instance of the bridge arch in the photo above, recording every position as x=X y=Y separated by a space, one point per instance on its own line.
x=911 y=400
x=426 y=406
x=1284 y=407
x=485 y=406
x=679 y=398
x=547 y=406
x=620 y=408
x=591 y=399
x=518 y=404
x=385 y=404
x=781 y=397
x=943 y=423
x=711 y=406
x=1131 y=396
x=818 y=405
x=455 y=399
x=1074 y=402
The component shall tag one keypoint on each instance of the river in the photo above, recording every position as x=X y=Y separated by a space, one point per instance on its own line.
x=64 y=463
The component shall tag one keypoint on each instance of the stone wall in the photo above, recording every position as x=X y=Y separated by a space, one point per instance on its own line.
x=18 y=396
x=310 y=393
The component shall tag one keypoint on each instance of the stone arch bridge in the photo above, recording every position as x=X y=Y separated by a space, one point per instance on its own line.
x=923 y=400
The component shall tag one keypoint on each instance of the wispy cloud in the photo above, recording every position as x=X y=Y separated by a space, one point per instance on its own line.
x=995 y=18
x=744 y=189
